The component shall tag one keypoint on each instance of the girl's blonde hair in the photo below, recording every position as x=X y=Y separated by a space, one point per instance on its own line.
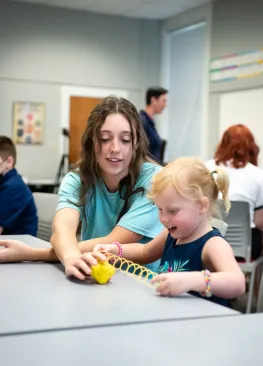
x=192 y=180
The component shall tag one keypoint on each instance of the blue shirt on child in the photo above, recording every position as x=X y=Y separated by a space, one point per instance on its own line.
x=18 y=213
x=188 y=258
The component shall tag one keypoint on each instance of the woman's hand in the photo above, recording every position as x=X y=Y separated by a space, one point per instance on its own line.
x=15 y=251
x=80 y=266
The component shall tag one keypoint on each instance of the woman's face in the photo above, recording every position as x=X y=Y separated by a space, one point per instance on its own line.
x=115 y=154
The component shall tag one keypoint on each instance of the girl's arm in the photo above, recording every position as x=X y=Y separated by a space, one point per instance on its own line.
x=146 y=253
x=138 y=253
x=119 y=233
x=227 y=281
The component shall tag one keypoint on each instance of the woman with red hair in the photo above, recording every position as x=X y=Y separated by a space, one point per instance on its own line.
x=237 y=154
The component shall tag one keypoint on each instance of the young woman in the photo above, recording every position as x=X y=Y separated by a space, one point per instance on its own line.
x=106 y=192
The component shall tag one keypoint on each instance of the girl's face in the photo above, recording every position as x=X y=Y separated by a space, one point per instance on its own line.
x=115 y=154
x=181 y=216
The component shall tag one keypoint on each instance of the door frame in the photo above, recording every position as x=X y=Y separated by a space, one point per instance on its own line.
x=67 y=92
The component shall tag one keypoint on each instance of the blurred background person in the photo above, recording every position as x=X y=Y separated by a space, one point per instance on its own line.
x=156 y=101
x=237 y=154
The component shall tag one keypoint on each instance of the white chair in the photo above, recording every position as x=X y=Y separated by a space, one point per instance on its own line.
x=220 y=225
x=238 y=236
x=46 y=204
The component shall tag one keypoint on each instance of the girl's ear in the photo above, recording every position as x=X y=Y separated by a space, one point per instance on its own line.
x=204 y=204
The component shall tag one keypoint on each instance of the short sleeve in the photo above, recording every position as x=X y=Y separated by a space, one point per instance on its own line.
x=142 y=217
x=69 y=192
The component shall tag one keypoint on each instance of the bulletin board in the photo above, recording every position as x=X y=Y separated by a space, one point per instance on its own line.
x=237 y=66
x=28 y=122
x=244 y=107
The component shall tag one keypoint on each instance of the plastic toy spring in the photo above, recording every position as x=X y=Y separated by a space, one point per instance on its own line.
x=131 y=269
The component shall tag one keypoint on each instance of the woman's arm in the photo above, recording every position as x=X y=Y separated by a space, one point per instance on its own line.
x=64 y=238
x=64 y=242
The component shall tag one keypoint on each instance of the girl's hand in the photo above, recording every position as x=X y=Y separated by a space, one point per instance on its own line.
x=108 y=248
x=177 y=283
x=15 y=251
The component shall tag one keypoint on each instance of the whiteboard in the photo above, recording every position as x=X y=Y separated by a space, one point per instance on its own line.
x=244 y=107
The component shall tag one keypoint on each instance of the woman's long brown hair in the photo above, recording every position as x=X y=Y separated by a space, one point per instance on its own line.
x=88 y=167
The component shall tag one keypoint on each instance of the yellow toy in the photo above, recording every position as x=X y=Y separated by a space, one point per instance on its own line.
x=103 y=271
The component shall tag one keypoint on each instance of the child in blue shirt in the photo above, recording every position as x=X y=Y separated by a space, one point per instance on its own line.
x=18 y=213
x=194 y=257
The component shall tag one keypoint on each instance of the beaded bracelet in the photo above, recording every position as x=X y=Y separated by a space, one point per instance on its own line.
x=207 y=275
x=120 y=253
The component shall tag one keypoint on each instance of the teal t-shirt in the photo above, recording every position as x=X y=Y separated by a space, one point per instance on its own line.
x=104 y=207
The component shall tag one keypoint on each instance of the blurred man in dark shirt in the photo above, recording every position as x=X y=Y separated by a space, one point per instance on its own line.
x=156 y=100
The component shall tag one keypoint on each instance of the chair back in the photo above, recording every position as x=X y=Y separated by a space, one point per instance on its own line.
x=220 y=225
x=46 y=204
x=238 y=232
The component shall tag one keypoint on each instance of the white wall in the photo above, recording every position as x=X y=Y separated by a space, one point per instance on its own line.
x=243 y=107
x=44 y=48
x=237 y=26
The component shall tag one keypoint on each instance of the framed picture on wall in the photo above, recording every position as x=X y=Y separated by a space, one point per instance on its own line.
x=28 y=122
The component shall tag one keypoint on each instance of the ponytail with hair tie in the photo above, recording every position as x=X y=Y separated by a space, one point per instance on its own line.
x=222 y=184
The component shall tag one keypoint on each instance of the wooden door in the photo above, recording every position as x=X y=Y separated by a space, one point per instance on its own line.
x=80 y=108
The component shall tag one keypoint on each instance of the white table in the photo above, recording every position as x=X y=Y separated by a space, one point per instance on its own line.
x=229 y=341
x=38 y=296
